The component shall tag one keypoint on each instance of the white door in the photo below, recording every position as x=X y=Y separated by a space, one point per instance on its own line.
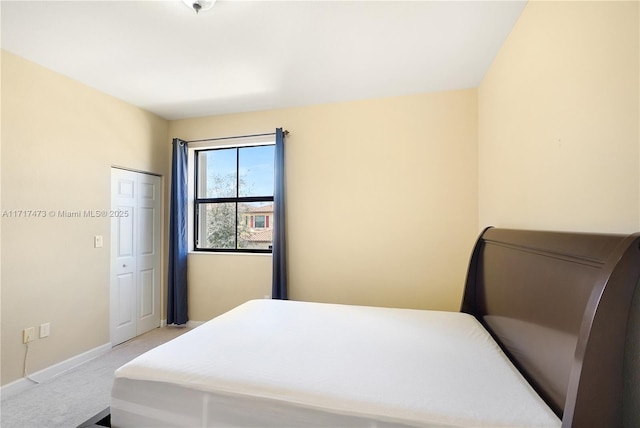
x=135 y=254
x=148 y=254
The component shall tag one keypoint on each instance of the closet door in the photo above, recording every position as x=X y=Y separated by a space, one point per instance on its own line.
x=135 y=254
x=148 y=253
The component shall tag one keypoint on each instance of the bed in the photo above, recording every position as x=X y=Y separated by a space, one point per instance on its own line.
x=539 y=342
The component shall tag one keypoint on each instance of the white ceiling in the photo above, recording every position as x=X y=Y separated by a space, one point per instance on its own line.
x=255 y=55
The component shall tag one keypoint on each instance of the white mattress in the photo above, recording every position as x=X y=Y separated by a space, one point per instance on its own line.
x=272 y=363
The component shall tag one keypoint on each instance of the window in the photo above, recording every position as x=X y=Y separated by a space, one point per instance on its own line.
x=259 y=221
x=234 y=199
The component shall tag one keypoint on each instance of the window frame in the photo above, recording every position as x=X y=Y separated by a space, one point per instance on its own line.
x=197 y=202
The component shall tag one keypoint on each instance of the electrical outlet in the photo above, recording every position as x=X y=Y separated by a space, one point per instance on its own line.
x=28 y=334
x=44 y=330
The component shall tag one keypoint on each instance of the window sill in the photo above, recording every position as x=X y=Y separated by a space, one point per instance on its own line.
x=223 y=253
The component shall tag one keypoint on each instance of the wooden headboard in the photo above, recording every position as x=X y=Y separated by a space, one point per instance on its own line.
x=558 y=304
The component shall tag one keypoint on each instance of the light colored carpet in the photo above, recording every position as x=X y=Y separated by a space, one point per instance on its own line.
x=73 y=397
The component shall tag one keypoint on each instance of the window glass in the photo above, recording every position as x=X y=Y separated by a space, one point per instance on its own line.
x=256 y=171
x=217 y=225
x=218 y=176
x=259 y=221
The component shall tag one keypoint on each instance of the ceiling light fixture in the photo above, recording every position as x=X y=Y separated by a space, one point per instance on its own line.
x=199 y=5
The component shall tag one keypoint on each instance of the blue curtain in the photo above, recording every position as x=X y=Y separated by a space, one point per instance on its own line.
x=177 y=281
x=279 y=283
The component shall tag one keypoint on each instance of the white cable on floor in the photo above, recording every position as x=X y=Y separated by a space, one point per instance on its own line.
x=24 y=372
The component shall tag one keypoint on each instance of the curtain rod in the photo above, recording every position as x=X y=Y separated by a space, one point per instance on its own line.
x=285 y=132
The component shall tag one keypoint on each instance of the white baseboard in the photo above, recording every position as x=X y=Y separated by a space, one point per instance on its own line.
x=189 y=324
x=194 y=324
x=53 y=371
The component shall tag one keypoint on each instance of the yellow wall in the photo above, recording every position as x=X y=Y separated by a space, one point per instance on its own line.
x=559 y=121
x=1 y=323
x=59 y=140
x=382 y=204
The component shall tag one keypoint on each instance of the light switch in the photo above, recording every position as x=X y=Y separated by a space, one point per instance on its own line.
x=44 y=330
x=97 y=241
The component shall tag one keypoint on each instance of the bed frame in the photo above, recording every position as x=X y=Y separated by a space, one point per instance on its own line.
x=558 y=304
